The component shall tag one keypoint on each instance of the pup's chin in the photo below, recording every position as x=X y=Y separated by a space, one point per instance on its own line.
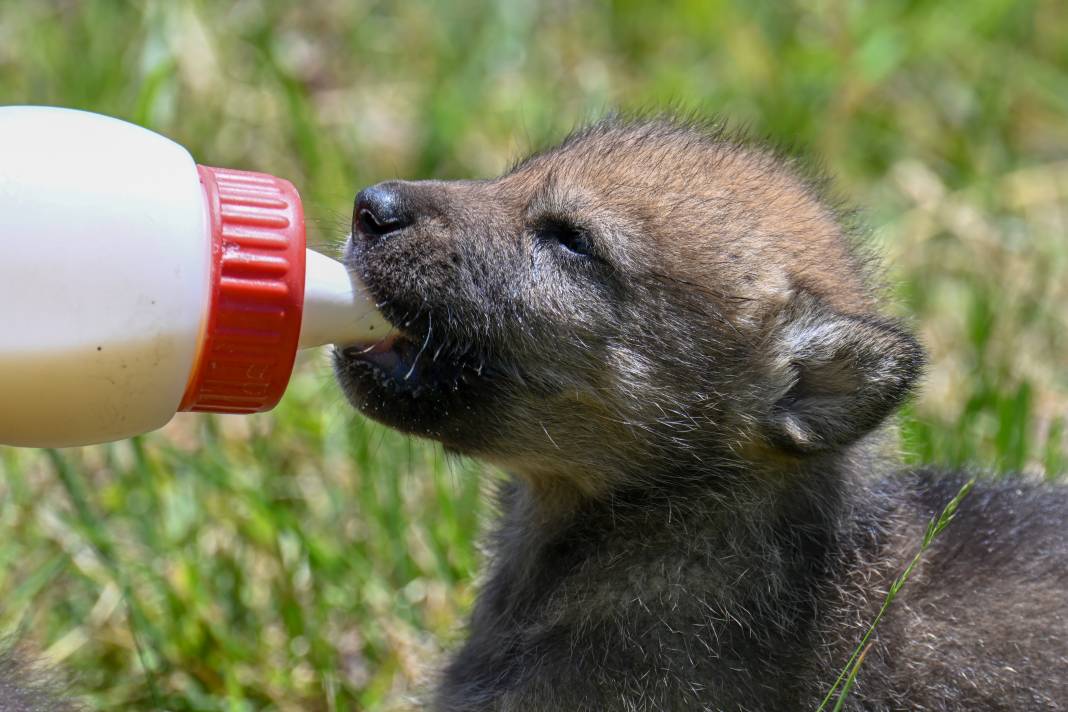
x=405 y=385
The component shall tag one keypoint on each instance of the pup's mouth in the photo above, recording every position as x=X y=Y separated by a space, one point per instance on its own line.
x=395 y=358
x=420 y=386
x=413 y=359
x=409 y=365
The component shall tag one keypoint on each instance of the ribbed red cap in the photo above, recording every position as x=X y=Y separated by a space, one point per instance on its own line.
x=257 y=294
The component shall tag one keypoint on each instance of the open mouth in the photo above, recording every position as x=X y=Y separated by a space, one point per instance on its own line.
x=412 y=359
x=396 y=356
x=404 y=364
x=419 y=386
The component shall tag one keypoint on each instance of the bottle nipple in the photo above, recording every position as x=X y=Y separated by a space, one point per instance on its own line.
x=337 y=308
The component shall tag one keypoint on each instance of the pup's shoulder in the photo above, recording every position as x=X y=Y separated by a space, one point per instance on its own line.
x=28 y=687
x=1008 y=533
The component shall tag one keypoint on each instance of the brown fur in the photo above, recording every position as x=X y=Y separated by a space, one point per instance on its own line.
x=28 y=688
x=671 y=342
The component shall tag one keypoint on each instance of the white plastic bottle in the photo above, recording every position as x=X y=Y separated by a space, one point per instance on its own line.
x=135 y=283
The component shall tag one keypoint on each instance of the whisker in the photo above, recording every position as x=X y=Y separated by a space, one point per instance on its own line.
x=426 y=341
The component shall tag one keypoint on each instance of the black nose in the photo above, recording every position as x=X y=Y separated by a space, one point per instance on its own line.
x=380 y=210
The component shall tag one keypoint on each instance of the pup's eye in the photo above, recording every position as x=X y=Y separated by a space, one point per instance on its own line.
x=565 y=234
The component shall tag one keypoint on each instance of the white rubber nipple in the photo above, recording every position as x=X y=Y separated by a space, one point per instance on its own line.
x=337 y=309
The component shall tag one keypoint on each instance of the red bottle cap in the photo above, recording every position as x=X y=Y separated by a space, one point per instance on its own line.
x=257 y=294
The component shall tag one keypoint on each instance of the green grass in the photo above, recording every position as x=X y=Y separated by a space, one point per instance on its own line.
x=839 y=691
x=306 y=559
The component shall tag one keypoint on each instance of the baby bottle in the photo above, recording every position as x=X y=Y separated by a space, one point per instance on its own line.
x=135 y=283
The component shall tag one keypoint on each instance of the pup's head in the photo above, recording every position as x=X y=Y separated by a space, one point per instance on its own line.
x=643 y=293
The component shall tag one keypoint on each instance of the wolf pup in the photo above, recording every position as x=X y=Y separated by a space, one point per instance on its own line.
x=673 y=345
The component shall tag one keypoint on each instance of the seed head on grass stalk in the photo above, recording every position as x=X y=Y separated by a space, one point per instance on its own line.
x=849 y=672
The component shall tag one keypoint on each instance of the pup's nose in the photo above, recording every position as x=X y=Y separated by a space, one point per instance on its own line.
x=380 y=210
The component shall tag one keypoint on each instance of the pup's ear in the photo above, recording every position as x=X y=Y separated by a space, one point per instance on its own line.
x=836 y=376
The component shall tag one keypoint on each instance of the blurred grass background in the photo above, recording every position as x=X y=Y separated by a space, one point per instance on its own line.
x=307 y=560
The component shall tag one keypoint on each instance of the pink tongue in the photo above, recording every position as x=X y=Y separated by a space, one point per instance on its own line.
x=383 y=346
